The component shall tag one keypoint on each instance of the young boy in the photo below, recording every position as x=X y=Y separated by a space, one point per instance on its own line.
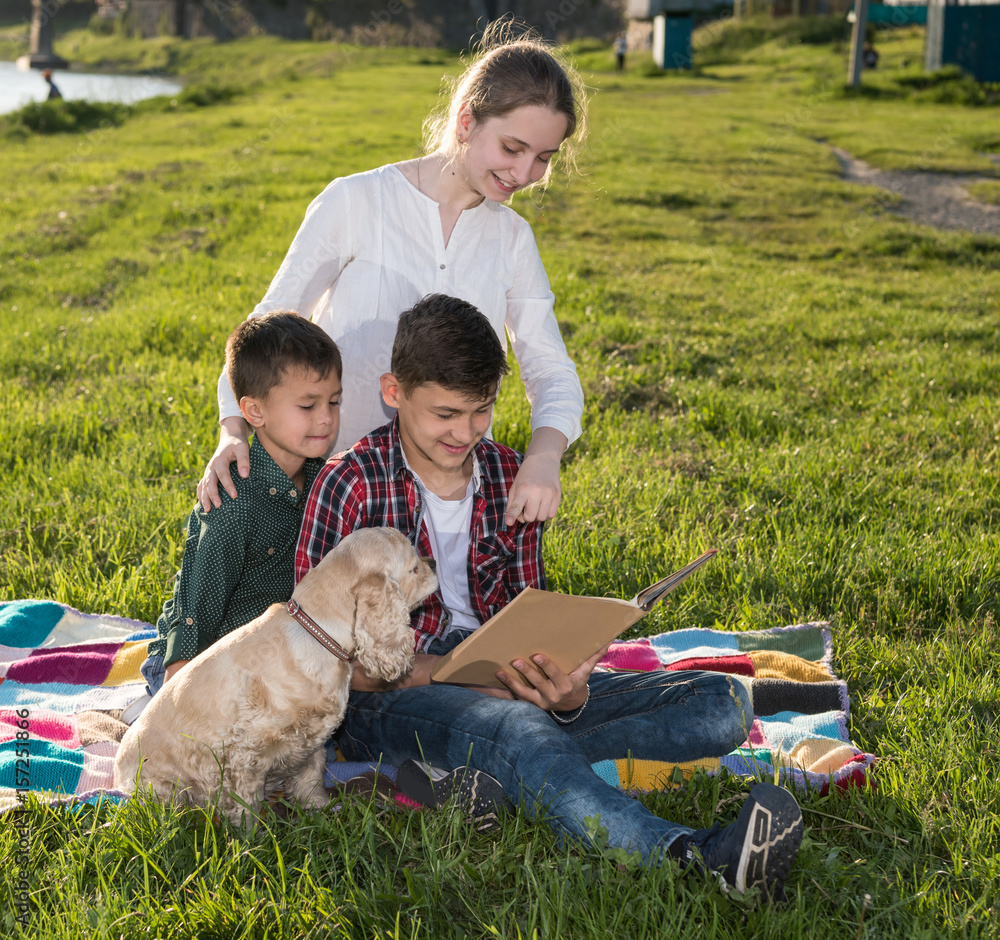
x=239 y=559
x=432 y=474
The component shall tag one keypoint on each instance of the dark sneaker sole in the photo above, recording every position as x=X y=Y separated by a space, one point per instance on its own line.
x=774 y=830
x=371 y=785
x=477 y=792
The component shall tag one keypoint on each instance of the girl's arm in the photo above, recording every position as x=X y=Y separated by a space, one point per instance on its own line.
x=536 y=491
x=550 y=381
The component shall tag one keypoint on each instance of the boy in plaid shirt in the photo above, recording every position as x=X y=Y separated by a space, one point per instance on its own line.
x=432 y=474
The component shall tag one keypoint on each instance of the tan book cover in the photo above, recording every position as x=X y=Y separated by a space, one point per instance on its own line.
x=566 y=627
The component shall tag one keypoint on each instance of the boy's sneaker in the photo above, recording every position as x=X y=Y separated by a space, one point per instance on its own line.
x=755 y=851
x=136 y=708
x=478 y=793
x=369 y=786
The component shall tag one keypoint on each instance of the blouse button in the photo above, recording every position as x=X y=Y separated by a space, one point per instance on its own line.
x=189 y=621
x=443 y=267
x=293 y=493
x=273 y=491
x=270 y=551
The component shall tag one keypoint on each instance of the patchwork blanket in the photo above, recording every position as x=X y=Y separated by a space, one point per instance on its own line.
x=65 y=678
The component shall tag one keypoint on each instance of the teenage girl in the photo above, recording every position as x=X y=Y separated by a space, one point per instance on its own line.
x=373 y=244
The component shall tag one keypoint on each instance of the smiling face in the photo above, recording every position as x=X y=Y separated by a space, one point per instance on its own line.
x=438 y=428
x=503 y=154
x=298 y=418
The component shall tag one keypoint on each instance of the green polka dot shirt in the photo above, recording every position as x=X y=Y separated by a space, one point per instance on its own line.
x=239 y=559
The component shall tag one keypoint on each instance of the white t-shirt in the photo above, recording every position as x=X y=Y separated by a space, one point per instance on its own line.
x=448 y=522
x=371 y=246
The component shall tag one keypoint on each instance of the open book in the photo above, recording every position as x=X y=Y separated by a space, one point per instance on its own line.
x=566 y=627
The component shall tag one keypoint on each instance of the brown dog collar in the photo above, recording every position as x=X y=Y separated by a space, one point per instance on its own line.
x=319 y=633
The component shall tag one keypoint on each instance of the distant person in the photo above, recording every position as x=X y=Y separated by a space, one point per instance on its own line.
x=621 y=47
x=54 y=92
x=869 y=55
x=374 y=243
x=239 y=560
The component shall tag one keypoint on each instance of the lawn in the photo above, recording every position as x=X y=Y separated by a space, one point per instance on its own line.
x=775 y=365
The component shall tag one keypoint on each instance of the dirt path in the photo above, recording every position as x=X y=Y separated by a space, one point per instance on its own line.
x=937 y=199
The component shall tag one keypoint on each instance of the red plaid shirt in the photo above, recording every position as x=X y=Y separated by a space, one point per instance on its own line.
x=371 y=485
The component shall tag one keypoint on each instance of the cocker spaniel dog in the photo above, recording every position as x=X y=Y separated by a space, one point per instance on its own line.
x=251 y=713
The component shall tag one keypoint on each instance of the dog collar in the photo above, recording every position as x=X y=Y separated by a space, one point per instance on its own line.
x=319 y=633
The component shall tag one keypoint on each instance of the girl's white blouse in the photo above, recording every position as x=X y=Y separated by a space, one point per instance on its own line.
x=371 y=245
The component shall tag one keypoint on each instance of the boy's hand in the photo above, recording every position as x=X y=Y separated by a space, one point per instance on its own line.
x=232 y=446
x=174 y=668
x=419 y=675
x=535 y=494
x=542 y=682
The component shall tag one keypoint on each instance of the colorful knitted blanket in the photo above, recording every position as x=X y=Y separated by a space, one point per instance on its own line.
x=65 y=678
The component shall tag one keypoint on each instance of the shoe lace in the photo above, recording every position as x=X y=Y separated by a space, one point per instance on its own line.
x=710 y=847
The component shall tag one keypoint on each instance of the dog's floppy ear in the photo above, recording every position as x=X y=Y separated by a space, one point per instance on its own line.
x=382 y=631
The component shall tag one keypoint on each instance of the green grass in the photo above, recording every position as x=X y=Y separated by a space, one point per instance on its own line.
x=774 y=365
x=988 y=192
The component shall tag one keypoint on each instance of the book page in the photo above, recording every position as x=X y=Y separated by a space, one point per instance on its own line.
x=648 y=597
x=566 y=627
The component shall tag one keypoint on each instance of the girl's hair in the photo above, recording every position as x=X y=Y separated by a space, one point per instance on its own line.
x=512 y=68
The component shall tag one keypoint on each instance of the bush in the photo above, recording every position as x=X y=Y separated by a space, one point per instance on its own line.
x=815 y=30
x=201 y=96
x=63 y=117
x=726 y=40
x=101 y=25
x=578 y=47
x=950 y=85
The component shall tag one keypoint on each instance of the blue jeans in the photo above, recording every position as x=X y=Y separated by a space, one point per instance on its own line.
x=668 y=716
x=153 y=671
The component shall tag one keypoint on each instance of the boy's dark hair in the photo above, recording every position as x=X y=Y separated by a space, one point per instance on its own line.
x=448 y=342
x=262 y=349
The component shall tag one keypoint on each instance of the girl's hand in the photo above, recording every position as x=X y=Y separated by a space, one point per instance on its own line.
x=232 y=446
x=544 y=684
x=535 y=494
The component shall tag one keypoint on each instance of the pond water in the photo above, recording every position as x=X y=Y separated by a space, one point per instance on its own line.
x=18 y=87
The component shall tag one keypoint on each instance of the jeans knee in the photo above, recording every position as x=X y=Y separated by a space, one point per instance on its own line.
x=727 y=712
x=520 y=725
x=743 y=703
x=524 y=740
